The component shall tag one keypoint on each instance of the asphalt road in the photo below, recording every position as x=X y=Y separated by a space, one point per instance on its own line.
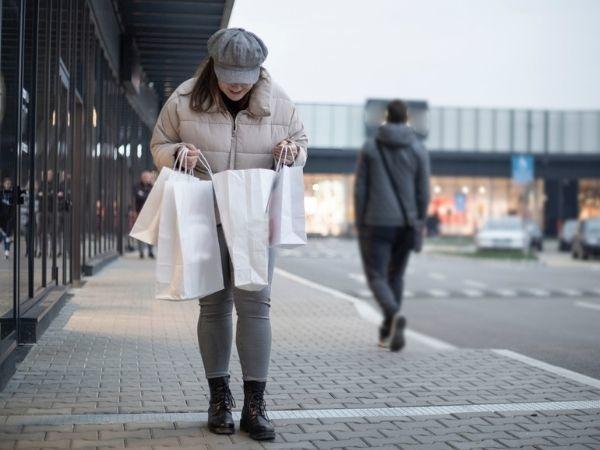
x=547 y=309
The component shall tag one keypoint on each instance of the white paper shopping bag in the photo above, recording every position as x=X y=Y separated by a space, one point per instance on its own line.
x=188 y=264
x=146 y=225
x=286 y=208
x=242 y=198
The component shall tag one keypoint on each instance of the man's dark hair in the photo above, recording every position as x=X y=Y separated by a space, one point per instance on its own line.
x=397 y=112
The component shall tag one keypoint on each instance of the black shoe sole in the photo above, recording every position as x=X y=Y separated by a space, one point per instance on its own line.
x=262 y=436
x=397 y=342
x=221 y=430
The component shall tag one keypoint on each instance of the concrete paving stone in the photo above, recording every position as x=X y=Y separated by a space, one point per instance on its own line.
x=288 y=445
x=158 y=433
x=480 y=444
x=328 y=427
x=316 y=436
x=149 y=442
x=82 y=444
x=125 y=434
x=23 y=443
x=342 y=443
x=212 y=440
x=339 y=435
x=29 y=436
x=91 y=435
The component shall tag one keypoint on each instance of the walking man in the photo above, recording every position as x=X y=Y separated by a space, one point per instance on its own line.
x=141 y=191
x=391 y=196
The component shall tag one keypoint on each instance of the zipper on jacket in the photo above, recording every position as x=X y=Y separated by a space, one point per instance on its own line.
x=233 y=149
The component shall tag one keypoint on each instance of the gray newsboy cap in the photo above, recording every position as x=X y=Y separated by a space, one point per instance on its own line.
x=237 y=54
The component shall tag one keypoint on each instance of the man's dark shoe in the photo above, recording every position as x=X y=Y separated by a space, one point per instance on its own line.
x=397 y=333
x=220 y=420
x=141 y=256
x=151 y=255
x=384 y=332
x=254 y=413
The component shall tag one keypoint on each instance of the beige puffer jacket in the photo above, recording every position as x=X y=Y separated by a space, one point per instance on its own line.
x=248 y=143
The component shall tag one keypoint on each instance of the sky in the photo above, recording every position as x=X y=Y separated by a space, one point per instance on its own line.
x=482 y=53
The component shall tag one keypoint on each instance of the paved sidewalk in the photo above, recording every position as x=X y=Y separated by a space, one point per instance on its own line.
x=120 y=369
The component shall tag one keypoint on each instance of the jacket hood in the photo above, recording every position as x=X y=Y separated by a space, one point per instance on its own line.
x=396 y=135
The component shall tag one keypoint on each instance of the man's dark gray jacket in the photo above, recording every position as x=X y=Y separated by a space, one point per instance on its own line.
x=408 y=161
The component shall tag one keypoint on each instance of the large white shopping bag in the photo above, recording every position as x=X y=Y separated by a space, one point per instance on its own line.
x=188 y=260
x=286 y=208
x=147 y=222
x=146 y=225
x=242 y=199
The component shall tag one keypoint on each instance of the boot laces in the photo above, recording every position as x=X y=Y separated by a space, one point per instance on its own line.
x=257 y=401
x=224 y=398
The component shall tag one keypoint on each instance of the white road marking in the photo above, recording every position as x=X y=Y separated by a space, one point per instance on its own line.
x=366 y=311
x=566 y=373
x=300 y=414
x=571 y=292
x=588 y=305
x=472 y=293
x=409 y=294
x=506 y=292
x=476 y=284
x=365 y=293
x=437 y=276
x=538 y=292
x=439 y=293
x=360 y=277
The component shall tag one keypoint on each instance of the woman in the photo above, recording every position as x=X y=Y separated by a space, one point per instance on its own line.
x=239 y=119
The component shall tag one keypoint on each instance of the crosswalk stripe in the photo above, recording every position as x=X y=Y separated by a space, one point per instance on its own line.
x=571 y=292
x=358 y=277
x=538 y=292
x=472 y=293
x=506 y=292
x=476 y=284
x=588 y=305
x=438 y=293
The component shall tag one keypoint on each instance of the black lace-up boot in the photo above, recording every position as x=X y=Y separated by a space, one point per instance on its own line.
x=220 y=420
x=254 y=414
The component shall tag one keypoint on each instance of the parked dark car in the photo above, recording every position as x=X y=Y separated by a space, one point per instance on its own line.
x=587 y=239
x=567 y=234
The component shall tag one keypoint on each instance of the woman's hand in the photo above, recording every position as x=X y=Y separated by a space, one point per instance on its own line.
x=287 y=151
x=189 y=162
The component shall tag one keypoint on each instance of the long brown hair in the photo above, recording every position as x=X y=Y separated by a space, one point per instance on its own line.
x=206 y=92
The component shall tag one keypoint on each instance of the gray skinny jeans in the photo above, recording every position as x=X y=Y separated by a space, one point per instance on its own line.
x=253 y=334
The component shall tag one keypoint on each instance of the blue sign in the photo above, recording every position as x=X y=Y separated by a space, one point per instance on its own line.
x=522 y=169
x=460 y=202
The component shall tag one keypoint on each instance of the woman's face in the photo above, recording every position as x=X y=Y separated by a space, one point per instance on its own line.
x=234 y=92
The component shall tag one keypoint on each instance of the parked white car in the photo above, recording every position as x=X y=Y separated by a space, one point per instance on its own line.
x=506 y=233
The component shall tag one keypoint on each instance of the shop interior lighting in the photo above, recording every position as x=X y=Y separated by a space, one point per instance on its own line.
x=465 y=189
x=482 y=190
x=437 y=189
x=315 y=187
x=94 y=118
x=139 y=150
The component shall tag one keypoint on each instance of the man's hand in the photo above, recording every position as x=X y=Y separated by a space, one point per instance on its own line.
x=286 y=151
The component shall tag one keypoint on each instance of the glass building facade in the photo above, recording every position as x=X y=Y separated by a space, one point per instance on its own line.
x=471 y=153
x=71 y=147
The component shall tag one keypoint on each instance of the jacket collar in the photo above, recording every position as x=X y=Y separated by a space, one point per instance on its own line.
x=260 y=97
